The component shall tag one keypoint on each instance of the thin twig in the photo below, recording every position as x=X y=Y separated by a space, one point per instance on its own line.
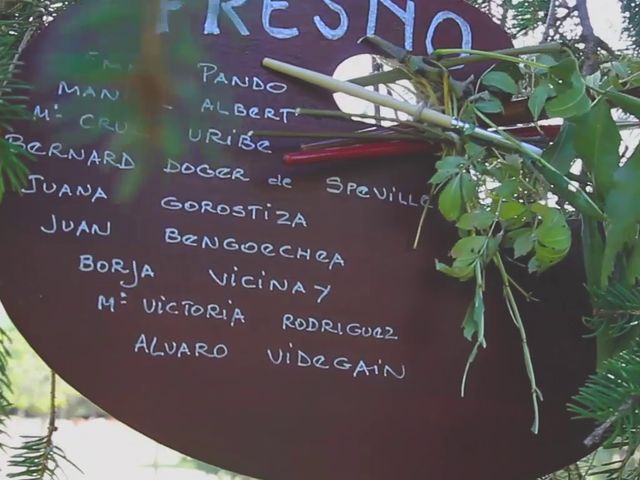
x=551 y=15
x=423 y=218
x=51 y=428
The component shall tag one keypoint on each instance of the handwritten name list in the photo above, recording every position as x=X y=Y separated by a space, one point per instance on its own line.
x=262 y=256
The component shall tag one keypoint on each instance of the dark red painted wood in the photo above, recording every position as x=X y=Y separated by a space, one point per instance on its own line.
x=248 y=412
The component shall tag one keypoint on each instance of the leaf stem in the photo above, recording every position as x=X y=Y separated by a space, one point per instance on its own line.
x=512 y=306
x=423 y=218
x=511 y=52
x=482 y=55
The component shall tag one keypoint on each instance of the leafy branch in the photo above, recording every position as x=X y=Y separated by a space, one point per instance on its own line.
x=611 y=398
x=20 y=22
x=616 y=310
x=5 y=385
x=38 y=458
x=464 y=182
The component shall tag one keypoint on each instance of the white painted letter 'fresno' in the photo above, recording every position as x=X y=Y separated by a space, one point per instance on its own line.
x=408 y=17
x=333 y=33
x=465 y=28
x=211 y=25
x=166 y=6
x=268 y=6
x=406 y=14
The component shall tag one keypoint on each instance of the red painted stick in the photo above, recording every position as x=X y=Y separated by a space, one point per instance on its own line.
x=363 y=151
x=360 y=151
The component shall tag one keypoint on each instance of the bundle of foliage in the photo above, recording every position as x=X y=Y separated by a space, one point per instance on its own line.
x=516 y=202
x=612 y=396
x=513 y=200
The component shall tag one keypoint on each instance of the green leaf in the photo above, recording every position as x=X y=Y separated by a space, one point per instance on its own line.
x=474 y=151
x=620 y=69
x=508 y=188
x=451 y=163
x=626 y=102
x=592 y=250
x=571 y=99
x=442 y=176
x=538 y=98
x=594 y=80
x=462 y=272
x=489 y=105
x=623 y=213
x=470 y=323
x=479 y=220
x=500 y=81
x=469 y=248
x=534 y=265
x=469 y=189
x=554 y=231
x=565 y=70
x=511 y=236
x=552 y=237
x=569 y=104
x=467 y=252
x=514 y=161
x=450 y=201
x=510 y=68
x=447 y=168
x=562 y=187
x=598 y=145
x=545 y=59
x=473 y=323
x=512 y=210
x=562 y=152
x=633 y=265
x=523 y=243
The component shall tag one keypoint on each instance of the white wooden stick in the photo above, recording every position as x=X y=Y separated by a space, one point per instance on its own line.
x=420 y=112
x=335 y=85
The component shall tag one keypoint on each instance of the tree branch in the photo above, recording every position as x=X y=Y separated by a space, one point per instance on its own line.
x=592 y=42
x=598 y=434
x=546 y=36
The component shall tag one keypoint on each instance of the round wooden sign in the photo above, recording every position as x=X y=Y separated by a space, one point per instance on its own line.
x=271 y=320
